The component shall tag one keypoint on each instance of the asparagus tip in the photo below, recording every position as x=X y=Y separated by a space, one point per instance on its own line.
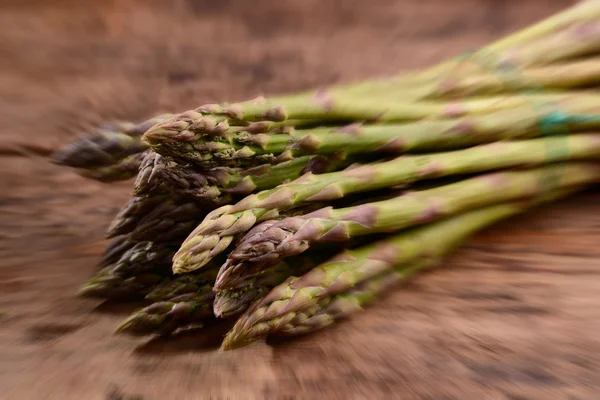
x=131 y=326
x=90 y=290
x=140 y=324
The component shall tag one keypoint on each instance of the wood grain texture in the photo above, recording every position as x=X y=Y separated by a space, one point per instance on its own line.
x=513 y=315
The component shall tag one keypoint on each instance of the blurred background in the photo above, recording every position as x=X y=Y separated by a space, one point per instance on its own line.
x=515 y=327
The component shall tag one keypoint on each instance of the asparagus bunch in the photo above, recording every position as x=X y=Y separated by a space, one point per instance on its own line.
x=292 y=236
x=351 y=279
x=216 y=232
x=237 y=207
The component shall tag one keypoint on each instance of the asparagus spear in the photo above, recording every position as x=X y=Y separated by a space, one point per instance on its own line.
x=106 y=146
x=125 y=169
x=134 y=275
x=217 y=185
x=257 y=283
x=322 y=295
x=216 y=232
x=165 y=317
x=512 y=67
x=109 y=286
x=576 y=74
x=169 y=215
x=332 y=308
x=101 y=148
x=171 y=220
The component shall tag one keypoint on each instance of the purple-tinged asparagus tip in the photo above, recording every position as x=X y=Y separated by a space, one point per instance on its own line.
x=236 y=339
x=169 y=131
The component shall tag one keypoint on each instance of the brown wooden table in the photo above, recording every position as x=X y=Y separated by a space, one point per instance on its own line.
x=513 y=315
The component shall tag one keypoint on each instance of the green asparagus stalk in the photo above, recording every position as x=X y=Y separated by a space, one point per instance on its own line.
x=101 y=148
x=165 y=317
x=576 y=74
x=573 y=42
x=135 y=209
x=173 y=214
x=534 y=115
x=326 y=293
x=217 y=185
x=477 y=72
x=216 y=232
x=332 y=107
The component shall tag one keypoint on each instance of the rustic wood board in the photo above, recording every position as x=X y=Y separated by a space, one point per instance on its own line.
x=513 y=315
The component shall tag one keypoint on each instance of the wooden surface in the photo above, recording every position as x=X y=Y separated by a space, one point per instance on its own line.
x=514 y=315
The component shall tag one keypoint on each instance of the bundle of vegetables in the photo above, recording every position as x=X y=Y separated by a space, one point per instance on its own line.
x=289 y=213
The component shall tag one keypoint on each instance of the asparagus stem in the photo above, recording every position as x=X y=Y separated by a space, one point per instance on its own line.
x=331 y=106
